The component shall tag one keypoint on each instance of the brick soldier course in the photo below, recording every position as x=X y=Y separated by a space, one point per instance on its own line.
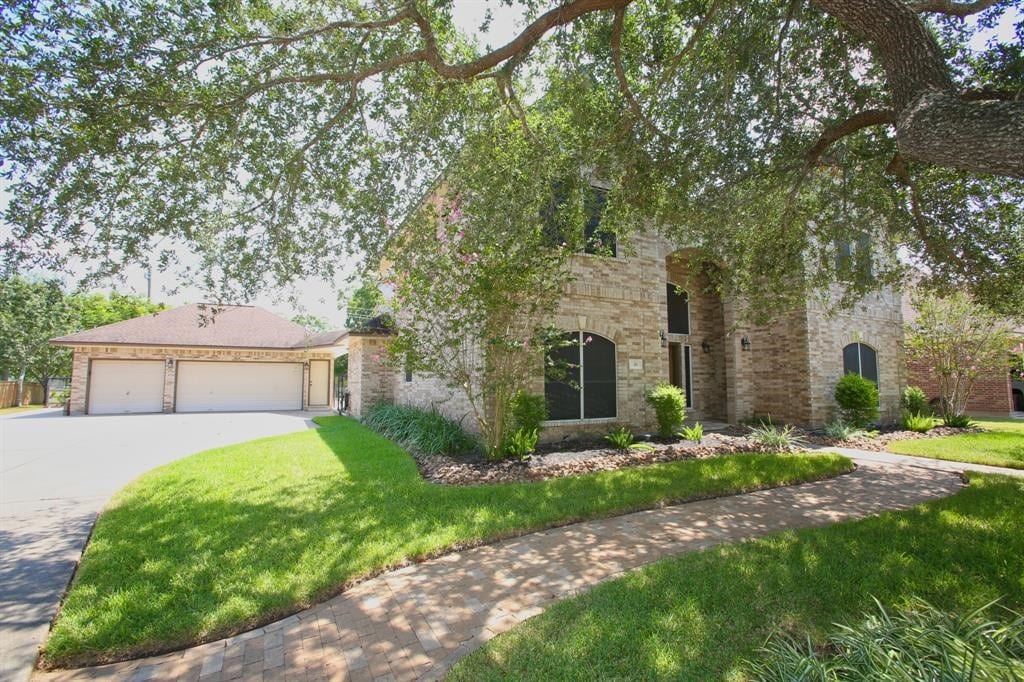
x=417 y=621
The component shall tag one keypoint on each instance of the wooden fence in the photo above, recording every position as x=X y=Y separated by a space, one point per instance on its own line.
x=31 y=394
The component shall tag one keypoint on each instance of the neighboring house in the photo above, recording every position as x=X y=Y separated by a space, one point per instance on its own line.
x=647 y=317
x=200 y=358
x=996 y=393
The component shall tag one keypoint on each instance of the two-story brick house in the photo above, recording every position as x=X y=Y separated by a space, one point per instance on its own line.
x=645 y=317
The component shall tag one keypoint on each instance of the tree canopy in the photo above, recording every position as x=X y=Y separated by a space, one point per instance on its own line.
x=274 y=138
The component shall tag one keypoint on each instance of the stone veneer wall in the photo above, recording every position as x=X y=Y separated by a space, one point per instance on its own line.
x=780 y=369
x=83 y=355
x=877 y=321
x=430 y=392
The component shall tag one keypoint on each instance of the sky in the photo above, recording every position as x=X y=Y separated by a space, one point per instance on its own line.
x=320 y=298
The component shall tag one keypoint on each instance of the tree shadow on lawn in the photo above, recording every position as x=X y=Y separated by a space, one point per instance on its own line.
x=700 y=615
x=202 y=549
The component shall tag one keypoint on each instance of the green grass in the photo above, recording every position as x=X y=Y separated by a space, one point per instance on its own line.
x=235 y=536
x=1001 y=446
x=698 y=616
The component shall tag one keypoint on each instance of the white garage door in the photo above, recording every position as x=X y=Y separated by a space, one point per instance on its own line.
x=121 y=386
x=238 y=386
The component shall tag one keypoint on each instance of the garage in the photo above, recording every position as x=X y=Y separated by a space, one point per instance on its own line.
x=126 y=386
x=238 y=386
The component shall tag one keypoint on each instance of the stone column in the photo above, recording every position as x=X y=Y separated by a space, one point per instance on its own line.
x=170 y=383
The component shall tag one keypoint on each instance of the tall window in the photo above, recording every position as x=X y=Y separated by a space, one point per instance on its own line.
x=678 y=310
x=854 y=258
x=585 y=388
x=596 y=239
x=859 y=358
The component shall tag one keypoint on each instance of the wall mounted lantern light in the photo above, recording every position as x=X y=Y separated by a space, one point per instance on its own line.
x=664 y=339
x=745 y=343
x=705 y=346
x=170 y=363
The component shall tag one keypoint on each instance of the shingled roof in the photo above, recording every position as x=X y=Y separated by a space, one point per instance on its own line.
x=207 y=325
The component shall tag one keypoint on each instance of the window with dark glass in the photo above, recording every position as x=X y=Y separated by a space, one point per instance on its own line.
x=859 y=358
x=854 y=257
x=581 y=384
x=678 y=310
x=596 y=239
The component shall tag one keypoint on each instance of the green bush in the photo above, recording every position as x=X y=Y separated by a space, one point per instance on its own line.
x=957 y=421
x=423 y=431
x=521 y=444
x=621 y=438
x=840 y=430
x=858 y=400
x=693 y=433
x=669 y=403
x=915 y=401
x=920 y=643
x=777 y=438
x=528 y=411
x=919 y=423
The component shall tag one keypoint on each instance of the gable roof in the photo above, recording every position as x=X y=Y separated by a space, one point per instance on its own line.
x=206 y=325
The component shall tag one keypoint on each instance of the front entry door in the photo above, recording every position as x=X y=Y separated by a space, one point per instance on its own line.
x=319 y=382
x=679 y=371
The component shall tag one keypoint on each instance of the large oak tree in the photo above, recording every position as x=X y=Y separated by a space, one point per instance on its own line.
x=273 y=138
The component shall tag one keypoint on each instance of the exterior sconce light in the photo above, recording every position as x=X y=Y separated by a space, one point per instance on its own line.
x=305 y=365
x=745 y=343
x=170 y=363
x=705 y=346
x=664 y=339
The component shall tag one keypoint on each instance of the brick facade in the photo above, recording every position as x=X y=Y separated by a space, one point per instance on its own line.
x=84 y=355
x=789 y=371
x=991 y=395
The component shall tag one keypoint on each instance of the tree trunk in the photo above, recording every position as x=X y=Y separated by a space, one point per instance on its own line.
x=933 y=123
x=18 y=400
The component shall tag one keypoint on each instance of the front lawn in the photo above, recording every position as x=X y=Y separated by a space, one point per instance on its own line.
x=1002 y=445
x=236 y=536
x=698 y=616
x=20 y=408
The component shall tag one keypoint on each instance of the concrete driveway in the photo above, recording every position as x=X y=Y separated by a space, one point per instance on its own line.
x=57 y=472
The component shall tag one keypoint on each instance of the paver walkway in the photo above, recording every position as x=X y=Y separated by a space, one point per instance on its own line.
x=415 y=622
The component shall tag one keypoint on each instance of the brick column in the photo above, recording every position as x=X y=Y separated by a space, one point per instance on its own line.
x=79 y=381
x=370 y=379
x=739 y=369
x=170 y=383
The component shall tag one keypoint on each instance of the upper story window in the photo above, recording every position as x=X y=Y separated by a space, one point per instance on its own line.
x=860 y=358
x=585 y=388
x=678 y=310
x=596 y=239
x=854 y=258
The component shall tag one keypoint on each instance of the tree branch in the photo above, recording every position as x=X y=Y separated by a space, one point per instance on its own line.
x=865 y=119
x=955 y=9
x=620 y=75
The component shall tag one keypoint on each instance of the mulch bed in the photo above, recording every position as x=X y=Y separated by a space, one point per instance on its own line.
x=572 y=458
x=881 y=442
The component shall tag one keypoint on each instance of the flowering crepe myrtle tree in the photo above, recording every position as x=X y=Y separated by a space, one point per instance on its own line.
x=957 y=340
x=477 y=274
x=274 y=138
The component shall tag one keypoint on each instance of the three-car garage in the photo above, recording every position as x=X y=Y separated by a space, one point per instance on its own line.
x=247 y=359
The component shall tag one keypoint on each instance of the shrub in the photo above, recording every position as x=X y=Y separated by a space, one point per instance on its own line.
x=622 y=439
x=957 y=421
x=669 y=403
x=840 y=430
x=59 y=397
x=858 y=400
x=914 y=401
x=423 y=431
x=693 y=433
x=920 y=643
x=521 y=444
x=918 y=423
x=776 y=438
x=528 y=411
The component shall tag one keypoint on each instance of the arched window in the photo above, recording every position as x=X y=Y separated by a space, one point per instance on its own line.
x=581 y=384
x=678 y=310
x=860 y=358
